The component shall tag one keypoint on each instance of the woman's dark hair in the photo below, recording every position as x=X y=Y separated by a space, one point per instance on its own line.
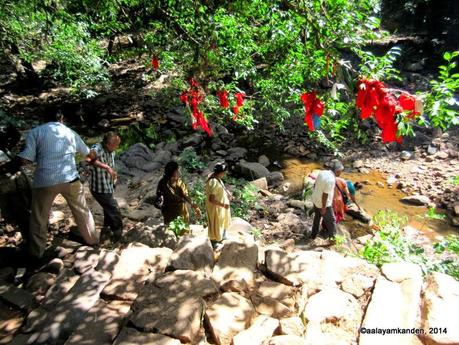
x=220 y=167
x=358 y=185
x=169 y=169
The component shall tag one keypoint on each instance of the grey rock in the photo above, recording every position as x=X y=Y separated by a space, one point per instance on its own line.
x=252 y=170
x=418 y=200
x=19 y=297
x=405 y=155
x=275 y=178
x=236 y=153
x=431 y=150
x=193 y=140
x=263 y=160
x=192 y=253
x=162 y=156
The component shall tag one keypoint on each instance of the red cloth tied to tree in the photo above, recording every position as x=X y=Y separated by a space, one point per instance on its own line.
x=368 y=96
x=223 y=97
x=373 y=98
x=200 y=121
x=184 y=97
x=408 y=104
x=312 y=105
x=235 y=110
x=193 y=97
x=155 y=63
x=239 y=98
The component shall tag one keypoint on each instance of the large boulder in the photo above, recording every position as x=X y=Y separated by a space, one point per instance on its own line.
x=137 y=263
x=228 y=316
x=275 y=178
x=239 y=228
x=151 y=236
x=439 y=303
x=192 y=253
x=139 y=157
x=262 y=328
x=394 y=304
x=236 y=153
x=238 y=261
x=174 y=304
x=333 y=317
x=252 y=170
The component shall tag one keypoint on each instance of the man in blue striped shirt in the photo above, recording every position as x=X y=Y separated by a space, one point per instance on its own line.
x=52 y=147
x=102 y=182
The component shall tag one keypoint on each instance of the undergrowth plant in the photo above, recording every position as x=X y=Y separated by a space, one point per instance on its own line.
x=178 y=226
x=389 y=245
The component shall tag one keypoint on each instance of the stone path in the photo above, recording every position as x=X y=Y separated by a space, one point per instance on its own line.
x=248 y=295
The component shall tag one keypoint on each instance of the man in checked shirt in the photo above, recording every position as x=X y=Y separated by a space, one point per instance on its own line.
x=103 y=180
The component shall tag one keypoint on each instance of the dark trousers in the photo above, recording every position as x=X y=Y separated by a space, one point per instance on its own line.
x=329 y=222
x=112 y=214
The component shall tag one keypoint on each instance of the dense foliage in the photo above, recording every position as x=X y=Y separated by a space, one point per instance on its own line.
x=271 y=51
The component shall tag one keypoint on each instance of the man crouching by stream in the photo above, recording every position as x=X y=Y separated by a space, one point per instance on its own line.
x=52 y=146
x=322 y=197
x=103 y=180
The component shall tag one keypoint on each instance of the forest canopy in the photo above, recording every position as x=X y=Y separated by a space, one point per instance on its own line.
x=270 y=51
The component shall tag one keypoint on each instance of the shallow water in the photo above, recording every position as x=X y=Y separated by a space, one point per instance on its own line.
x=375 y=196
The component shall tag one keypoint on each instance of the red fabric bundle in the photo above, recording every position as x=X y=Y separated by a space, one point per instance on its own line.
x=239 y=98
x=223 y=96
x=193 y=97
x=155 y=63
x=374 y=99
x=312 y=105
x=408 y=103
x=200 y=121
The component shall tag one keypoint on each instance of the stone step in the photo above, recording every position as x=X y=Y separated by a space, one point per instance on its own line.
x=394 y=304
x=101 y=324
x=71 y=310
x=137 y=264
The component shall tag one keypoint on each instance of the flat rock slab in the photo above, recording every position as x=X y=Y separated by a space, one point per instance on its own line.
x=108 y=259
x=394 y=304
x=292 y=326
x=316 y=270
x=287 y=295
x=332 y=314
x=178 y=318
x=440 y=304
x=71 y=310
x=20 y=298
x=136 y=264
x=193 y=253
x=101 y=324
x=173 y=305
x=239 y=227
x=238 y=261
x=37 y=317
x=228 y=316
x=266 y=305
x=286 y=340
x=176 y=285
x=262 y=329
x=131 y=336
x=85 y=258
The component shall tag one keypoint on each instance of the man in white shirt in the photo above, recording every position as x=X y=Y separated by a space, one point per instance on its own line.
x=52 y=147
x=322 y=197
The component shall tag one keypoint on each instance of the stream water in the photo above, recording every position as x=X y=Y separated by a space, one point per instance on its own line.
x=376 y=195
